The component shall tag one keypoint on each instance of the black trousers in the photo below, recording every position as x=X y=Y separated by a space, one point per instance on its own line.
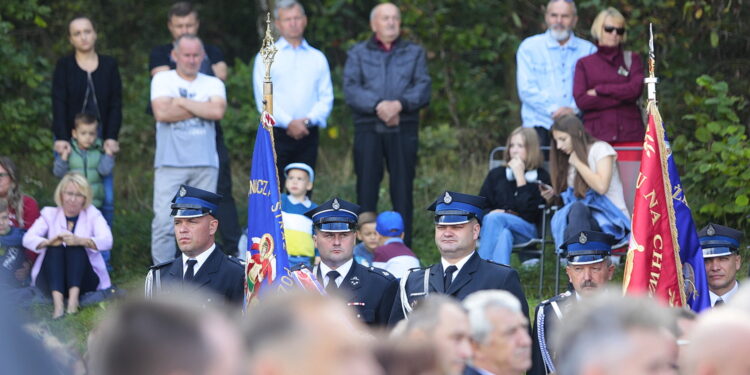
x=580 y=219
x=544 y=135
x=290 y=150
x=66 y=267
x=398 y=152
x=229 y=224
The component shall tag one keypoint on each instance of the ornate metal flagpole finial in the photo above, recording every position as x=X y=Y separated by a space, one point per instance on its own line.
x=651 y=80
x=267 y=52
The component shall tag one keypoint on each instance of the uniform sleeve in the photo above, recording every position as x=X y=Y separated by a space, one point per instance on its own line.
x=387 y=302
x=238 y=288
x=513 y=285
x=537 y=363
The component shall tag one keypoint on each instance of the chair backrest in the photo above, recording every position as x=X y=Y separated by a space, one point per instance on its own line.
x=628 y=165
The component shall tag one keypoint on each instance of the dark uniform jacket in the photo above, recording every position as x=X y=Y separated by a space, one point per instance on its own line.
x=476 y=274
x=220 y=274
x=370 y=291
x=547 y=316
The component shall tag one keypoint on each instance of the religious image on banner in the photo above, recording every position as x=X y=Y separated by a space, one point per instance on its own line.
x=267 y=259
x=663 y=232
x=266 y=256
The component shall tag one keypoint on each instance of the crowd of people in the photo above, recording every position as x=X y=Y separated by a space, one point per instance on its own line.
x=379 y=311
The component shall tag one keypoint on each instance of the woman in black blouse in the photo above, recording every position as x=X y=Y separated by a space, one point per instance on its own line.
x=514 y=196
x=87 y=82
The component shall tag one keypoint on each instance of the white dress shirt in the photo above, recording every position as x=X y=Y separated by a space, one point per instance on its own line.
x=201 y=258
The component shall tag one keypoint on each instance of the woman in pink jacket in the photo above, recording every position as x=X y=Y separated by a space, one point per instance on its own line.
x=69 y=239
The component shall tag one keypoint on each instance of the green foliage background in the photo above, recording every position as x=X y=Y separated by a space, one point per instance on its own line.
x=471 y=44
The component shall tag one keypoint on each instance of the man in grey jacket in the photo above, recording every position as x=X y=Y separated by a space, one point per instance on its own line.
x=386 y=83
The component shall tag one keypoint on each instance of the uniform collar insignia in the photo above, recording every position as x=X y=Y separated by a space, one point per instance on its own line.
x=447 y=199
x=354 y=281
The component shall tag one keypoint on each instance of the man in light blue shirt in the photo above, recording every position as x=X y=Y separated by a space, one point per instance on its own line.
x=303 y=93
x=546 y=64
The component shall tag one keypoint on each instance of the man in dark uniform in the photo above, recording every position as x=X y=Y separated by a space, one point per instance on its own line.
x=722 y=259
x=371 y=291
x=202 y=266
x=461 y=271
x=589 y=268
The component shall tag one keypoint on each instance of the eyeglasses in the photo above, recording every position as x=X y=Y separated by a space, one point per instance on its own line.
x=610 y=29
x=73 y=195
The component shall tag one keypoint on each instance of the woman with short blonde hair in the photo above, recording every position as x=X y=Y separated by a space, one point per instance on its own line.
x=608 y=83
x=68 y=239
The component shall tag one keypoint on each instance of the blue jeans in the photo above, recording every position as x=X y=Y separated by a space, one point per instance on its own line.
x=108 y=211
x=499 y=232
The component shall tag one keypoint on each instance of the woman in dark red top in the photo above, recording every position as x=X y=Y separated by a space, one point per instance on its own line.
x=22 y=208
x=608 y=83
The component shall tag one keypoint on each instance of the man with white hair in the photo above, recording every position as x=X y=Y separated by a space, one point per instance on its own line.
x=614 y=335
x=546 y=65
x=499 y=334
x=441 y=321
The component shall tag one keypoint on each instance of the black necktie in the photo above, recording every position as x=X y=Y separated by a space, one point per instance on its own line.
x=190 y=273
x=449 y=277
x=719 y=302
x=332 y=276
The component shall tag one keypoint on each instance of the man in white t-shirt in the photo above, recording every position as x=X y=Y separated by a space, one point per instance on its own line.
x=186 y=105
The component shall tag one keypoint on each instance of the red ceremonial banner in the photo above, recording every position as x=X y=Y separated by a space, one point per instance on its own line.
x=653 y=264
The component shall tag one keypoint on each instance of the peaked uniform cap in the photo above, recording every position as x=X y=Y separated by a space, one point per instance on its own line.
x=193 y=202
x=588 y=247
x=452 y=208
x=335 y=215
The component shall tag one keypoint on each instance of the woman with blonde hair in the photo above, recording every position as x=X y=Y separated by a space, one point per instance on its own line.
x=585 y=177
x=69 y=239
x=513 y=193
x=608 y=83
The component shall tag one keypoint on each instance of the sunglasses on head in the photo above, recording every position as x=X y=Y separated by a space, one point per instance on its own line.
x=610 y=29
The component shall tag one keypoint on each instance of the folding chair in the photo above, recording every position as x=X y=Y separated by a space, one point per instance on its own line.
x=534 y=246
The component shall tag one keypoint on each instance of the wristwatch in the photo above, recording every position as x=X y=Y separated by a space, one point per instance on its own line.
x=307 y=123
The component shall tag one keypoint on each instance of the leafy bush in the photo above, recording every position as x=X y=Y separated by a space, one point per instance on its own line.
x=716 y=154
